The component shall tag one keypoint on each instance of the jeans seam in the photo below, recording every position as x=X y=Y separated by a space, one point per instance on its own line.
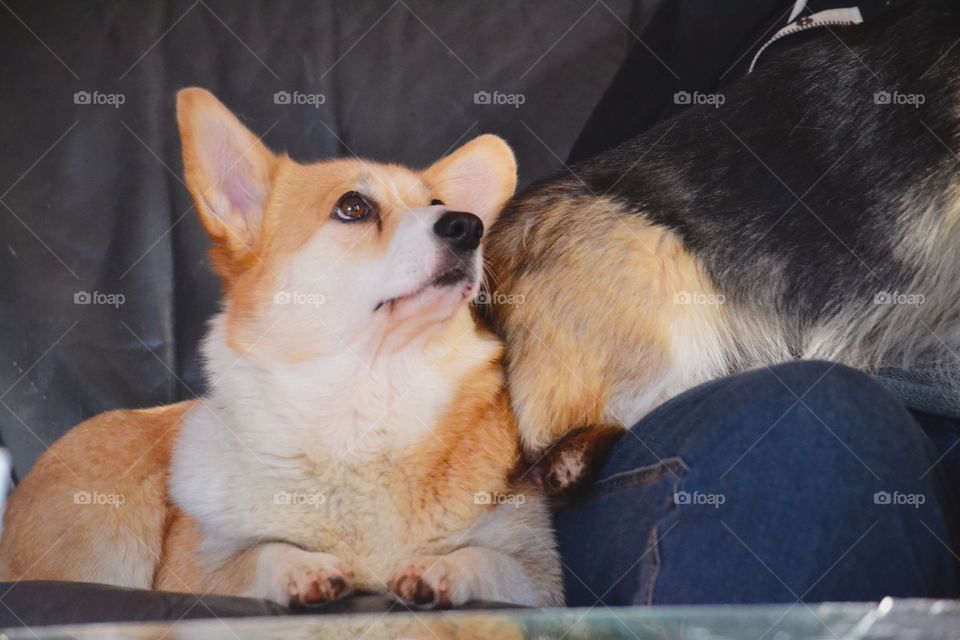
x=654 y=551
x=641 y=476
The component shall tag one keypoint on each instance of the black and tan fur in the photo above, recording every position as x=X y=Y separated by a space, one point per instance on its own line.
x=734 y=237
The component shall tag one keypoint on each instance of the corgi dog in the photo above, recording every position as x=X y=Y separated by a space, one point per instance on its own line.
x=357 y=434
x=808 y=215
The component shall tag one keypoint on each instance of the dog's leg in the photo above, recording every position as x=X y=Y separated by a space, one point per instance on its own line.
x=283 y=573
x=601 y=316
x=470 y=573
x=289 y=574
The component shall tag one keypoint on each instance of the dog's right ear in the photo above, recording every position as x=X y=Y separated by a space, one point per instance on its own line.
x=228 y=171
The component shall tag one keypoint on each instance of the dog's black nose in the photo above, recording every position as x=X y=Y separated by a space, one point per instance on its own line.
x=462 y=230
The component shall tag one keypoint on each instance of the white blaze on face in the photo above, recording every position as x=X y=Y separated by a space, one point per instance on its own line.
x=416 y=255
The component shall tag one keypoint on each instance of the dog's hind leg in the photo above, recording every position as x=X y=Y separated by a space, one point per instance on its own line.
x=95 y=506
x=604 y=316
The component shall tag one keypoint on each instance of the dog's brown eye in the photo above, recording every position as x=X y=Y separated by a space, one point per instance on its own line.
x=352 y=207
x=435 y=202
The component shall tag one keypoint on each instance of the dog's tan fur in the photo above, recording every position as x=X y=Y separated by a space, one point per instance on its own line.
x=48 y=535
x=569 y=360
x=400 y=512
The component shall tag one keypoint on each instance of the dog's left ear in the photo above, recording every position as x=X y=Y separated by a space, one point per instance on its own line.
x=479 y=177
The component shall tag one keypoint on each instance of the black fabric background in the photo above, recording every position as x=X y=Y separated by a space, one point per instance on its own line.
x=91 y=197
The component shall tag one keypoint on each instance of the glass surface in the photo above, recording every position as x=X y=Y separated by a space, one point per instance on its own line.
x=893 y=620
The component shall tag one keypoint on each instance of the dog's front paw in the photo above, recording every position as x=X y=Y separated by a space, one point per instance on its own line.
x=322 y=585
x=292 y=576
x=430 y=581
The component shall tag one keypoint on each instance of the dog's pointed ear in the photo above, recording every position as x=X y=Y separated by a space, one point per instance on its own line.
x=479 y=177
x=227 y=169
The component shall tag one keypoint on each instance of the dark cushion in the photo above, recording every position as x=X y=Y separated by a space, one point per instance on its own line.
x=58 y=603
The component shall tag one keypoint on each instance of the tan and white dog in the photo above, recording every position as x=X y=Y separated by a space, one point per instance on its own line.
x=357 y=434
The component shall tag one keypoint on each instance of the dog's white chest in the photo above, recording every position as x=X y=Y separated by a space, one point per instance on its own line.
x=306 y=462
x=307 y=453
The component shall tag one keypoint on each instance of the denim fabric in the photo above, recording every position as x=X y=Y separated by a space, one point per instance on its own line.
x=930 y=389
x=806 y=481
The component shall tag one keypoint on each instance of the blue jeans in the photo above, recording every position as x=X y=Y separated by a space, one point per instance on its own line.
x=802 y=482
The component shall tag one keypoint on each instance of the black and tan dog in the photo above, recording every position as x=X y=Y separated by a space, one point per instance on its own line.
x=815 y=214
